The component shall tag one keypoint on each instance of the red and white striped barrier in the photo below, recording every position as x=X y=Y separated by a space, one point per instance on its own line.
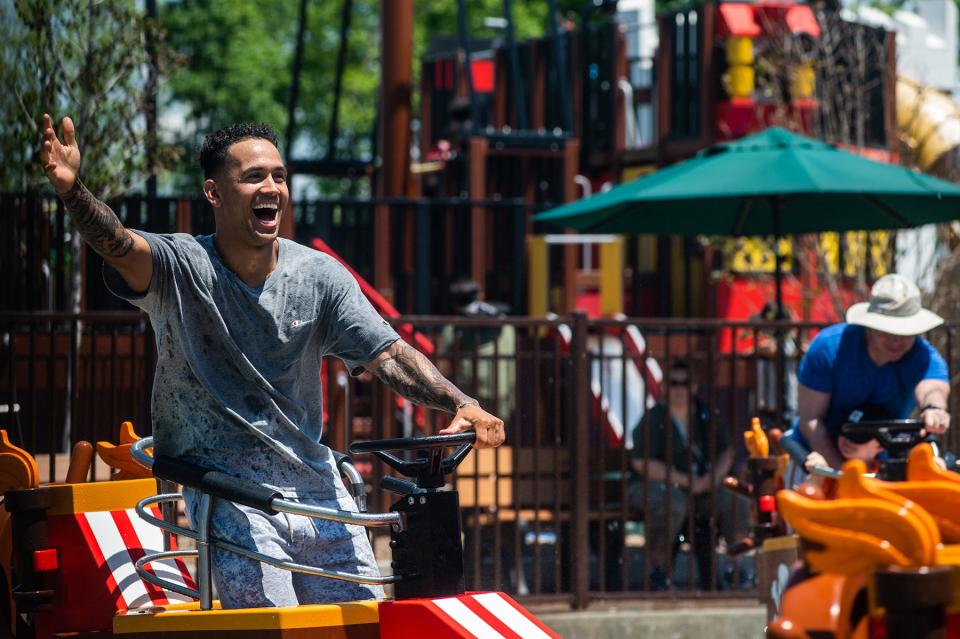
x=117 y=539
x=486 y=615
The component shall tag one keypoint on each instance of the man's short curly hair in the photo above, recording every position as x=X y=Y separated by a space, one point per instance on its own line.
x=213 y=151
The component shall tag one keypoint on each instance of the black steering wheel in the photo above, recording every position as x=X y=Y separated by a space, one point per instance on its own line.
x=889 y=433
x=896 y=436
x=429 y=471
x=414 y=443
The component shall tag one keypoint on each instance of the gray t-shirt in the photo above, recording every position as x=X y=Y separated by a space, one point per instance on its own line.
x=237 y=385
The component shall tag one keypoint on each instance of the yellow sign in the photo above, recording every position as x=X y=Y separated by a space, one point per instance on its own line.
x=847 y=254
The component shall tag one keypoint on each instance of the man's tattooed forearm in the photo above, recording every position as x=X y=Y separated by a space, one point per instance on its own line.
x=411 y=374
x=98 y=225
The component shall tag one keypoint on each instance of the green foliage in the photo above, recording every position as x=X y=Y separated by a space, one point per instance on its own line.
x=666 y=6
x=87 y=60
x=239 y=58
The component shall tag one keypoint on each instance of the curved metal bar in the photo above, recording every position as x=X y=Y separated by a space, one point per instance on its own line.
x=343 y=516
x=310 y=570
x=356 y=484
x=387 y=519
x=823 y=471
x=162 y=524
x=833 y=473
x=281 y=505
x=139 y=452
x=141 y=563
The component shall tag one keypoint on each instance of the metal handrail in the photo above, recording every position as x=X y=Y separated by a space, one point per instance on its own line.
x=141 y=564
x=205 y=542
x=139 y=452
x=279 y=504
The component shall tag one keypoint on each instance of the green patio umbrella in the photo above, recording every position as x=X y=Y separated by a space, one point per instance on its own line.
x=771 y=183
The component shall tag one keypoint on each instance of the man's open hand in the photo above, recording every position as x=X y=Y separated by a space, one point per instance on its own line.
x=471 y=417
x=60 y=160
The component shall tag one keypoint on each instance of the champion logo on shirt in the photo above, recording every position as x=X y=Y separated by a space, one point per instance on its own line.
x=295 y=323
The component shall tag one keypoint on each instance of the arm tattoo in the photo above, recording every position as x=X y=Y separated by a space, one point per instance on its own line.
x=98 y=225
x=412 y=375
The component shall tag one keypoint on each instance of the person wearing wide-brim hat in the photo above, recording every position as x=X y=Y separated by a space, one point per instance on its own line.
x=877 y=363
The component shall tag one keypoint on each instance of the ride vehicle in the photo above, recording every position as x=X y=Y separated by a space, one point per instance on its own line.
x=85 y=560
x=879 y=554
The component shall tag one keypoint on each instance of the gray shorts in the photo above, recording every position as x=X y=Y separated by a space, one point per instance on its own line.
x=246 y=583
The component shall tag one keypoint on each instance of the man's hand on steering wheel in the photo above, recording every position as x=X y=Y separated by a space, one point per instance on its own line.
x=936 y=420
x=489 y=429
x=815 y=460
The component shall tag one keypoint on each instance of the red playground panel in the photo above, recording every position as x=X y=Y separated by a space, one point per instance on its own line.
x=476 y=615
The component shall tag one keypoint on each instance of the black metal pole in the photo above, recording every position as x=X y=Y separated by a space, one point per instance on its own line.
x=775 y=204
x=151 y=91
x=560 y=66
x=464 y=32
x=295 y=81
x=338 y=81
x=519 y=92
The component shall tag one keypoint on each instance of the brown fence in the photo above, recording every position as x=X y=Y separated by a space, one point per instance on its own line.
x=560 y=512
x=66 y=377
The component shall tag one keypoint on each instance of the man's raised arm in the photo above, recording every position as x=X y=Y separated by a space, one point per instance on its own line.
x=98 y=225
x=408 y=372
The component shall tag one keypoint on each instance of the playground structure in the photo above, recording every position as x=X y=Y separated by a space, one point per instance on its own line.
x=486 y=235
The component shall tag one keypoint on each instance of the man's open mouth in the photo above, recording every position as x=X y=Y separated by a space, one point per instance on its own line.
x=267 y=214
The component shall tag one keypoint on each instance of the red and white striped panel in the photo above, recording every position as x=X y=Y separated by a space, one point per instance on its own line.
x=492 y=615
x=118 y=539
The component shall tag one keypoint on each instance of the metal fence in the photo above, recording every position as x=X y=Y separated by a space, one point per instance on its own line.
x=560 y=512
x=47 y=268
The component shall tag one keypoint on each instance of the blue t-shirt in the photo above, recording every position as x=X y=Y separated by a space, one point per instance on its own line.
x=837 y=363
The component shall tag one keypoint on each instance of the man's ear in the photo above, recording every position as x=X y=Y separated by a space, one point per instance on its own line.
x=210 y=192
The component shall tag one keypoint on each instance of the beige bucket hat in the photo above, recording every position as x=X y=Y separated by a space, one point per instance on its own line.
x=894 y=308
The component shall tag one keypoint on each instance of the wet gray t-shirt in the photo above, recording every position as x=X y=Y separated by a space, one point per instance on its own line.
x=237 y=385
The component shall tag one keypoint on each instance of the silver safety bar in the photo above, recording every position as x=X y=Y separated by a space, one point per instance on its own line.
x=205 y=543
x=833 y=473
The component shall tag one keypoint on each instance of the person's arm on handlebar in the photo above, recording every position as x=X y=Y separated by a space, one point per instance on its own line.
x=408 y=372
x=813 y=407
x=931 y=396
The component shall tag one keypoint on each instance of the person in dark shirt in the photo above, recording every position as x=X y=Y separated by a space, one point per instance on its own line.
x=671 y=458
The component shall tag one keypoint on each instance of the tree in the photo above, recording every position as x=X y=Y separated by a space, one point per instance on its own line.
x=89 y=60
x=239 y=60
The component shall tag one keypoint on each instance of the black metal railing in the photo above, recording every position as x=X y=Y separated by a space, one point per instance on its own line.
x=47 y=268
x=67 y=377
x=562 y=511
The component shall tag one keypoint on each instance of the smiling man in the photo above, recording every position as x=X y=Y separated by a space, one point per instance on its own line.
x=875 y=365
x=242 y=320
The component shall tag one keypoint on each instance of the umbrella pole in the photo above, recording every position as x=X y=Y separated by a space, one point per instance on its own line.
x=777 y=259
x=775 y=203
